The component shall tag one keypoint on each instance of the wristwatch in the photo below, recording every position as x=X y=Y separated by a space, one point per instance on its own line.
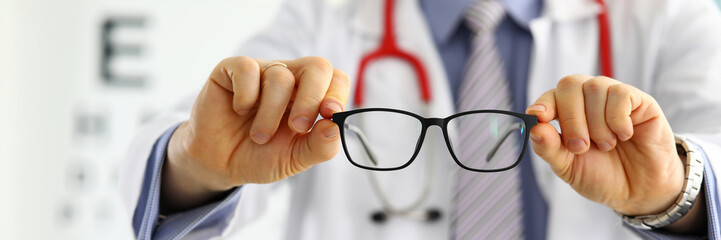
x=684 y=202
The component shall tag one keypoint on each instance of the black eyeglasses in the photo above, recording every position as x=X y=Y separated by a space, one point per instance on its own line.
x=496 y=142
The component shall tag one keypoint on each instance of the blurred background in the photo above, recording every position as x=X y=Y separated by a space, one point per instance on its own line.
x=77 y=78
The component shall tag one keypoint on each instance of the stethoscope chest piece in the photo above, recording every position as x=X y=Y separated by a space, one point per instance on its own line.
x=379 y=217
x=430 y=215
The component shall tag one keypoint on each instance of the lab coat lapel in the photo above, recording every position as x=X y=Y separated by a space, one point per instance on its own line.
x=565 y=43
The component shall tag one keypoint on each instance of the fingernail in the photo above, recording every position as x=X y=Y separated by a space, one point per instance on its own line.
x=334 y=107
x=331 y=132
x=536 y=139
x=537 y=108
x=242 y=112
x=261 y=138
x=576 y=145
x=623 y=136
x=604 y=146
x=301 y=124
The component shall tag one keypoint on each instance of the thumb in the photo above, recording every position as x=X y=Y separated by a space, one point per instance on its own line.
x=546 y=143
x=321 y=144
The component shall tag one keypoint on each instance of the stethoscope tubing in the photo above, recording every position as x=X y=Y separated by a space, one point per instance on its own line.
x=393 y=210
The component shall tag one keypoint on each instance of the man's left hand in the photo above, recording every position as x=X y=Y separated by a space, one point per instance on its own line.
x=615 y=147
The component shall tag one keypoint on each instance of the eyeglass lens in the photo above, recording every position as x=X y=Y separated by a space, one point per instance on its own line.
x=370 y=146
x=486 y=141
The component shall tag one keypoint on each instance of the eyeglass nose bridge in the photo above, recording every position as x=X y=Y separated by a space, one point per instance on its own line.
x=434 y=122
x=427 y=123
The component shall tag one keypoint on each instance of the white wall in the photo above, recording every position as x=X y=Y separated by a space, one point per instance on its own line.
x=49 y=74
x=6 y=170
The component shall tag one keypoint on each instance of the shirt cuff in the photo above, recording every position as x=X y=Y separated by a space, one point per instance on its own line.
x=712 y=208
x=211 y=218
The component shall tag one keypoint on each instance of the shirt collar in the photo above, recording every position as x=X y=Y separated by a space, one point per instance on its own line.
x=444 y=16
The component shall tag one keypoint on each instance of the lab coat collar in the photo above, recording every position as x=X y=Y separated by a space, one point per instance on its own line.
x=368 y=17
x=444 y=17
x=569 y=10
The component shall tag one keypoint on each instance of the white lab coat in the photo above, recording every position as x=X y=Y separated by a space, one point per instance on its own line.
x=670 y=49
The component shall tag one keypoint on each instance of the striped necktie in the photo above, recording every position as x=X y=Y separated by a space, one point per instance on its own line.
x=488 y=205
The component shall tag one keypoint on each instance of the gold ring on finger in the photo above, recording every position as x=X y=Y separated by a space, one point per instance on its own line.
x=269 y=65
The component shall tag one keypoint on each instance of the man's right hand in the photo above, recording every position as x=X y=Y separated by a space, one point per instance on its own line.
x=253 y=125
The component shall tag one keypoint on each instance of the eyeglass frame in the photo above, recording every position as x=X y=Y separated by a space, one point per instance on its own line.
x=529 y=121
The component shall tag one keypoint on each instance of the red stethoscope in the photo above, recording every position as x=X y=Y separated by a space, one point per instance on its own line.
x=389 y=48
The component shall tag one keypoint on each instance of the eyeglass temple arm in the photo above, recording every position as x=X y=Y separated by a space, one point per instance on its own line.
x=364 y=141
x=508 y=132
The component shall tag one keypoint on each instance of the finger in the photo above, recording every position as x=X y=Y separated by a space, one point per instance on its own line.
x=572 y=113
x=244 y=74
x=314 y=77
x=622 y=100
x=337 y=95
x=231 y=90
x=545 y=107
x=321 y=144
x=278 y=84
x=546 y=143
x=595 y=93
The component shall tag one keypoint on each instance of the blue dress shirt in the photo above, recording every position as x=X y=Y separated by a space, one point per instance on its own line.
x=147 y=221
x=452 y=39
